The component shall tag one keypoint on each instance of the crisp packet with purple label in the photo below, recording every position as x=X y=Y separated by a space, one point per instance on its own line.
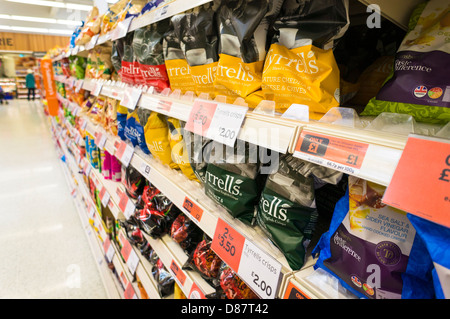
x=419 y=84
x=373 y=248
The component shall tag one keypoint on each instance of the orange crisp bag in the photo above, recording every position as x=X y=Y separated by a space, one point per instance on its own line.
x=300 y=66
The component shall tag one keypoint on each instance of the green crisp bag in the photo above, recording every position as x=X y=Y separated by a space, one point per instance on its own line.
x=419 y=84
x=287 y=210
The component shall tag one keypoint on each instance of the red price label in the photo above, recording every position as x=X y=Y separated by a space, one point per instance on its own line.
x=123 y=201
x=126 y=249
x=178 y=272
x=164 y=106
x=200 y=117
x=293 y=292
x=228 y=244
x=129 y=292
x=420 y=184
x=196 y=292
x=193 y=209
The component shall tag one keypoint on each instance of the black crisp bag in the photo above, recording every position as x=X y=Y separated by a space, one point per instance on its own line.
x=287 y=210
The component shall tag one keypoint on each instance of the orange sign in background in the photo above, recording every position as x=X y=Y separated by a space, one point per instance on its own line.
x=420 y=184
x=49 y=86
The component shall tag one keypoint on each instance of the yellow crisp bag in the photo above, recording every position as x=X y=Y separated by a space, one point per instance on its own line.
x=156 y=133
x=179 y=152
x=197 y=35
x=300 y=67
x=242 y=47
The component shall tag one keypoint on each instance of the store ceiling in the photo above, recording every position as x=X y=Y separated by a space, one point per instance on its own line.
x=57 y=17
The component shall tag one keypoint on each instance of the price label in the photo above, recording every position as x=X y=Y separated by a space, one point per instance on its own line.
x=126 y=205
x=259 y=270
x=420 y=184
x=131 y=97
x=78 y=85
x=122 y=29
x=132 y=262
x=129 y=292
x=108 y=249
x=337 y=153
x=124 y=153
x=145 y=169
x=178 y=273
x=87 y=168
x=97 y=89
x=228 y=244
x=196 y=292
x=83 y=125
x=217 y=121
x=163 y=106
x=91 y=44
x=104 y=196
x=193 y=209
x=100 y=140
x=161 y=12
x=293 y=292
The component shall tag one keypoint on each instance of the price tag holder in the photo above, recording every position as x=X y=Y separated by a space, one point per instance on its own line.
x=124 y=153
x=78 y=85
x=127 y=252
x=259 y=270
x=91 y=44
x=100 y=140
x=131 y=97
x=97 y=88
x=420 y=184
x=217 y=121
x=196 y=292
x=337 y=153
x=129 y=292
x=126 y=205
x=193 y=209
x=104 y=196
x=122 y=29
x=108 y=249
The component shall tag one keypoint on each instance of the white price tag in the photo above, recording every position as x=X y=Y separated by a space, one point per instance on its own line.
x=129 y=209
x=145 y=169
x=124 y=153
x=97 y=89
x=122 y=29
x=133 y=261
x=260 y=271
x=91 y=44
x=161 y=12
x=100 y=140
x=84 y=124
x=131 y=97
x=104 y=196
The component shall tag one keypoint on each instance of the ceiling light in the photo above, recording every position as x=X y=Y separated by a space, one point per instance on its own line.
x=56 y=4
x=36 y=30
x=38 y=19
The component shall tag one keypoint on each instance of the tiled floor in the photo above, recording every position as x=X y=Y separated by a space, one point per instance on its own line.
x=44 y=251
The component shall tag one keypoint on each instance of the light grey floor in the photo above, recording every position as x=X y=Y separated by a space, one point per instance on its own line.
x=44 y=252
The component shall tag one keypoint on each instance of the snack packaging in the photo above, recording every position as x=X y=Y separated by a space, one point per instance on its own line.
x=243 y=36
x=163 y=278
x=373 y=249
x=133 y=181
x=197 y=32
x=177 y=68
x=156 y=136
x=300 y=66
x=186 y=233
x=122 y=114
x=233 y=286
x=436 y=239
x=90 y=28
x=127 y=71
x=180 y=155
x=418 y=84
x=134 y=128
x=149 y=57
x=287 y=210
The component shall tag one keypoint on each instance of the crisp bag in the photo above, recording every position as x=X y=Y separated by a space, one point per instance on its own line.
x=149 y=58
x=134 y=128
x=300 y=66
x=287 y=210
x=242 y=46
x=437 y=241
x=177 y=68
x=373 y=249
x=196 y=31
x=156 y=134
x=419 y=84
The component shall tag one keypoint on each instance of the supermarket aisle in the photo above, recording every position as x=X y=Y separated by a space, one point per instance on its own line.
x=44 y=251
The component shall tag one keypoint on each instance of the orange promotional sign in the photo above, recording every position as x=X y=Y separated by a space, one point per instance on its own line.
x=49 y=86
x=337 y=153
x=420 y=184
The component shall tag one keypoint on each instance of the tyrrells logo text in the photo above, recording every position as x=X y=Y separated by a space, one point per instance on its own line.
x=276 y=208
x=229 y=184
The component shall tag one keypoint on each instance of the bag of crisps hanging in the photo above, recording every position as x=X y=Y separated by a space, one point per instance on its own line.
x=127 y=70
x=177 y=68
x=134 y=129
x=157 y=136
x=419 y=83
x=178 y=146
x=149 y=58
x=243 y=31
x=122 y=113
x=196 y=31
x=300 y=66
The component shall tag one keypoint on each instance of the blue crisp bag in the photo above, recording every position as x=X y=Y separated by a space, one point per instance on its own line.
x=437 y=241
x=373 y=249
x=134 y=129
